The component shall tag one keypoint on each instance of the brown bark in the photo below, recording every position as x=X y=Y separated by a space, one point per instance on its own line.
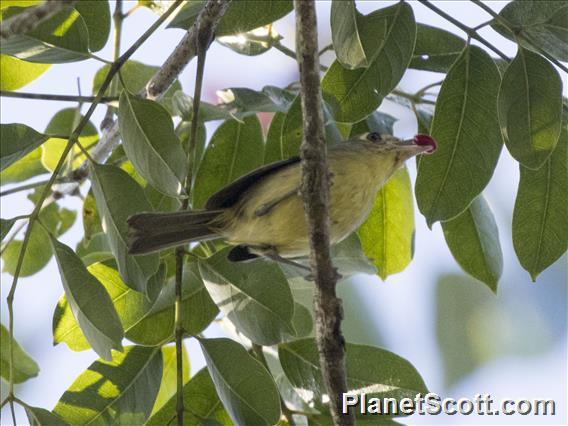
x=315 y=193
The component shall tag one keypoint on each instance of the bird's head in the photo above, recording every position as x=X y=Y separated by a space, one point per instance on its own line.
x=399 y=150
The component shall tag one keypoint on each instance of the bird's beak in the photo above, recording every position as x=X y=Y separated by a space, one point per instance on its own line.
x=420 y=144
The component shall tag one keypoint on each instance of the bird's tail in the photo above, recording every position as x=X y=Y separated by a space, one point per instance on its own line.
x=149 y=232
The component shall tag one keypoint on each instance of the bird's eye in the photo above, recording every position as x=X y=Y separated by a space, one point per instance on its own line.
x=374 y=137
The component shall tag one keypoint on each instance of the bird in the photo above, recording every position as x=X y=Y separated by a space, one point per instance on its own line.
x=261 y=214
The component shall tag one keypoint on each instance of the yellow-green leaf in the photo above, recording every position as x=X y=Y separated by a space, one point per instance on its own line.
x=387 y=236
x=15 y=73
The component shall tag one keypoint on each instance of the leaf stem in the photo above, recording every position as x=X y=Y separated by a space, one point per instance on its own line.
x=483 y=24
x=114 y=68
x=51 y=97
x=204 y=38
x=422 y=91
x=469 y=31
x=98 y=58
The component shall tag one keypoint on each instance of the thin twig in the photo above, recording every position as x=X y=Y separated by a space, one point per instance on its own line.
x=315 y=194
x=51 y=97
x=412 y=98
x=32 y=186
x=204 y=36
x=290 y=53
x=469 y=31
x=326 y=49
x=72 y=140
x=519 y=34
x=31 y=17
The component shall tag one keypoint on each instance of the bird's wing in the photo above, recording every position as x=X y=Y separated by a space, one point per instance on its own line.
x=227 y=196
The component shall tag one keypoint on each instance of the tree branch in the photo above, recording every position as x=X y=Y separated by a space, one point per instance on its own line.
x=186 y=50
x=163 y=79
x=31 y=17
x=315 y=193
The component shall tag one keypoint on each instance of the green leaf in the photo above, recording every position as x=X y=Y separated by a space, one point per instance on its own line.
x=242 y=101
x=42 y=417
x=118 y=392
x=91 y=218
x=5 y=226
x=292 y=129
x=235 y=149
x=62 y=38
x=263 y=314
x=157 y=326
x=540 y=228
x=24 y=366
x=182 y=105
x=169 y=376
x=97 y=249
x=39 y=250
x=241 y=16
x=15 y=74
x=473 y=239
x=302 y=321
x=387 y=236
x=388 y=37
x=63 y=123
x=37 y=254
x=89 y=302
x=135 y=75
x=436 y=49
x=542 y=23
x=245 y=387
x=345 y=34
x=18 y=140
x=251 y=43
x=376 y=122
x=530 y=108
x=151 y=144
x=469 y=140
x=21 y=3
x=131 y=306
x=273 y=149
x=161 y=202
x=349 y=258
x=201 y=403
x=97 y=19
x=375 y=371
x=25 y=168
x=118 y=197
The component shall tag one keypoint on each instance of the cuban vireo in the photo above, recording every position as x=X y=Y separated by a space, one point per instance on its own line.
x=262 y=213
